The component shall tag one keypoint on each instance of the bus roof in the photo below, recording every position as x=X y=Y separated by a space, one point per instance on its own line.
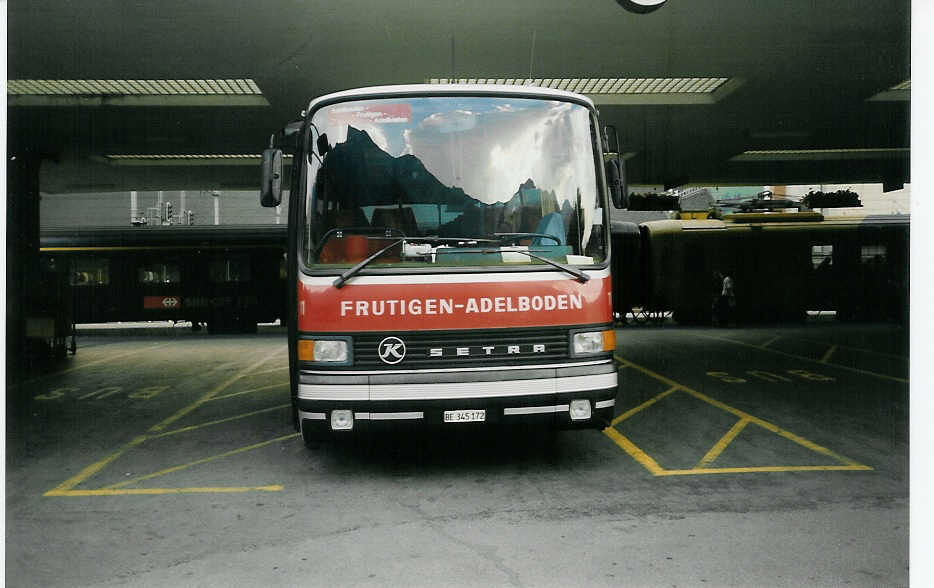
x=401 y=91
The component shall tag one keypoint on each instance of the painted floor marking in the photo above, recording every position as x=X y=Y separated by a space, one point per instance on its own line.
x=67 y=488
x=857 y=349
x=770 y=341
x=718 y=448
x=197 y=462
x=217 y=422
x=161 y=491
x=93 y=363
x=804 y=358
x=284 y=368
x=261 y=389
x=644 y=405
x=828 y=354
x=633 y=450
x=703 y=466
x=210 y=394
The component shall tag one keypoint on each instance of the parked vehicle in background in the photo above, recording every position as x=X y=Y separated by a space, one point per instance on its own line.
x=228 y=278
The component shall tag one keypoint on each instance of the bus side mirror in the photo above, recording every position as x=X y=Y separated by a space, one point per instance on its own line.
x=615 y=169
x=322 y=144
x=270 y=193
x=616 y=181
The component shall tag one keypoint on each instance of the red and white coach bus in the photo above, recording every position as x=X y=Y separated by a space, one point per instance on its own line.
x=449 y=258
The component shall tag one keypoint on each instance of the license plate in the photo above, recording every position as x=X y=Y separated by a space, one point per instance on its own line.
x=464 y=416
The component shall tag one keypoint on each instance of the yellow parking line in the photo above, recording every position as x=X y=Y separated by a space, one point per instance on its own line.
x=92 y=469
x=650 y=464
x=828 y=354
x=157 y=491
x=770 y=341
x=93 y=363
x=279 y=385
x=770 y=427
x=642 y=406
x=97 y=466
x=647 y=371
x=859 y=349
x=804 y=358
x=766 y=469
x=217 y=422
x=212 y=393
x=201 y=461
x=718 y=448
x=284 y=368
x=636 y=453
x=810 y=444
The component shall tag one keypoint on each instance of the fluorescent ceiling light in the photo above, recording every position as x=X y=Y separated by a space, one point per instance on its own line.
x=131 y=87
x=696 y=90
x=230 y=92
x=821 y=154
x=175 y=159
x=897 y=93
x=602 y=85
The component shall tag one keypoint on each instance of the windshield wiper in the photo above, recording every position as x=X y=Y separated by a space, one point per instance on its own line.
x=342 y=279
x=580 y=275
x=465 y=240
x=517 y=236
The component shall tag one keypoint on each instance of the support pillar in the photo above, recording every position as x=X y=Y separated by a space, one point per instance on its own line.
x=22 y=256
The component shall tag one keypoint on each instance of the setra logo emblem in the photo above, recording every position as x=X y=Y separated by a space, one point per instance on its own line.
x=391 y=350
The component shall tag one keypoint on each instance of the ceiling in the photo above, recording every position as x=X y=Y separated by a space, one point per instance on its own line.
x=803 y=73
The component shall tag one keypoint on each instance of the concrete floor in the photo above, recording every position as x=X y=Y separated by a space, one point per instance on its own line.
x=763 y=456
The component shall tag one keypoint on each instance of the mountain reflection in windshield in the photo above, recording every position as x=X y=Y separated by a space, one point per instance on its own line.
x=365 y=176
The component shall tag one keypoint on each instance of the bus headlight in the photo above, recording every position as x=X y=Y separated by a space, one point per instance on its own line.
x=324 y=350
x=593 y=342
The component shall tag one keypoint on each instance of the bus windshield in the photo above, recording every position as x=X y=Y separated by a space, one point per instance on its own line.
x=446 y=181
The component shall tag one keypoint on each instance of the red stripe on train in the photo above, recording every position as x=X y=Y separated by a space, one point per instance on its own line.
x=162 y=302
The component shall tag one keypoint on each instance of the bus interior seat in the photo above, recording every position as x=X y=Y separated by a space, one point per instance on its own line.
x=551 y=224
x=351 y=217
x=347 y=247
x=402 y=219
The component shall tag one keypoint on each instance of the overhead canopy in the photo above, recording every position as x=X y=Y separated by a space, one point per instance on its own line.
x=767 y=76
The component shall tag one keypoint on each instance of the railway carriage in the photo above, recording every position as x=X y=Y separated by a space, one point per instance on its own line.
x=228 y=278
x=781 y=265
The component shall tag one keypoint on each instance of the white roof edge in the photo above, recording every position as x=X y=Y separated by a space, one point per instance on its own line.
x=461 y=89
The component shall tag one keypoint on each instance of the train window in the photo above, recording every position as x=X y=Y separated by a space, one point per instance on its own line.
x=232 y=269
x=872 y=254
x=158 y=273
x=821 y=256
x=90 y=271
